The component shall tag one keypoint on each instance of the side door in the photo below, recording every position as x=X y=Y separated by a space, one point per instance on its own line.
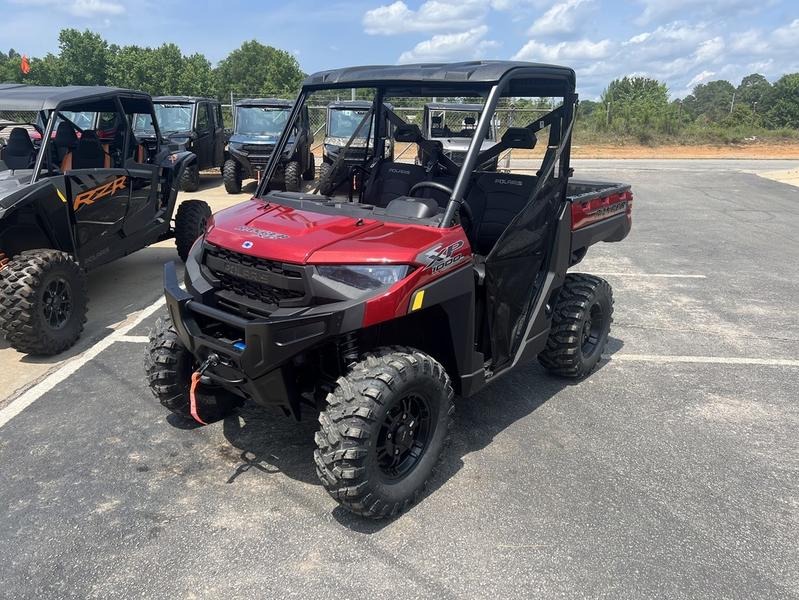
x=203 y=145
x=144 y=177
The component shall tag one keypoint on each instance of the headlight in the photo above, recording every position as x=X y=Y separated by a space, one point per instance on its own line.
x=365 y=277
x=235 y=145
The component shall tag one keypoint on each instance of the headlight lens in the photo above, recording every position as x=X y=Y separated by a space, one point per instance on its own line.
x=365 y=277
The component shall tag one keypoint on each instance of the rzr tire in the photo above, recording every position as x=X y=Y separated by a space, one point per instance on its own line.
x=190 y=178
x=326 y=184
x=231 y=175
x=580 y=326
x=169 y=367
x=292 y=177
x=190 y=222
x=353 y=445
x=43 y=302
x=310 y=172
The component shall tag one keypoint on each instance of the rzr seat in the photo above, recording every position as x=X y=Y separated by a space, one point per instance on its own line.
x=89 y=152
x=495 y=199
x=19 y=152
x=391 y=180
x=64 y=142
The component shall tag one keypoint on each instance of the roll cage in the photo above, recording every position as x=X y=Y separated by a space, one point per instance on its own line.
x=492 y=80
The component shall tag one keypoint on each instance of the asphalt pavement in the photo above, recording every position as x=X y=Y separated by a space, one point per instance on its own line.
x=671 y=472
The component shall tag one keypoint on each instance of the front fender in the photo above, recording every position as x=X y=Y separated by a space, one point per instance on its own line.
x=172 y=165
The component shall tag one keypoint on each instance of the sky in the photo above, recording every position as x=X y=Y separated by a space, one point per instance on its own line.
x=680 y=42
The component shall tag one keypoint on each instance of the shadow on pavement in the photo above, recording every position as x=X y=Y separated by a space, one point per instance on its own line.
x=273 y=443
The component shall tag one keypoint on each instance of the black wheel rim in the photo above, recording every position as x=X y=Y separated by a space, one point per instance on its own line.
x=57 y=303
x=593 y=326
x=404 y=436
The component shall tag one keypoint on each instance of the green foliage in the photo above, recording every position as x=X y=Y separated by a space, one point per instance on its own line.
x=83 y=58
x=711 y=100
x=783 y=108
x=257 y=68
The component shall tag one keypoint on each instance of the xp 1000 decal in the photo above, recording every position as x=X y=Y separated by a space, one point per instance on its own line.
x=444 y=257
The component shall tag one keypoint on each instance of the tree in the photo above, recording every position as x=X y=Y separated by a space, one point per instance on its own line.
x=784 y=104
x=636 y=90
x=637 y=106
x=754 y=88
x=255 y=69
x=196 y=77
x=711 y=100
x=83 y=58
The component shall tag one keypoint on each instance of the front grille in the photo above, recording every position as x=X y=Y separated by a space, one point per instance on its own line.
x=247 y=277
x=265 y=149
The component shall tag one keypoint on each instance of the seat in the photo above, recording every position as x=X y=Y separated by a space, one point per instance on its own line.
x=64 y=143
x=495 y=199
x=89 y=152
x=19 y=152
x=391 y=180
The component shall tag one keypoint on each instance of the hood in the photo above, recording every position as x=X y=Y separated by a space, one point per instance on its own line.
x=10 y=183
x=462 y=144
x=290 y=235
x=248 y=138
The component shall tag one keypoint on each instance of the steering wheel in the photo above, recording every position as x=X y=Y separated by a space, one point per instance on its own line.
x=431 y=184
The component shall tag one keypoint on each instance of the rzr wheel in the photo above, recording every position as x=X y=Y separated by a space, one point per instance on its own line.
x=231 y=175
x=384 y=431
x=169 y=367
x=190 y=223
x=292 y=176
x=310 y=172
x=190 y=178
x=326 y=184
x=43 y=302
x=581 y=322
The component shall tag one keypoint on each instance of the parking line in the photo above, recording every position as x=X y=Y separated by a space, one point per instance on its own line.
x=134 y=339
x=662 y=275
x=53 y=379
x=710 y=360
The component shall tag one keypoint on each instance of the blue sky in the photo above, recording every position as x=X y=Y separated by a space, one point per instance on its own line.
x=682 y=42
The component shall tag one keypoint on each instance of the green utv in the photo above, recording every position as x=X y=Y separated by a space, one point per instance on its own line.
x=79 y=189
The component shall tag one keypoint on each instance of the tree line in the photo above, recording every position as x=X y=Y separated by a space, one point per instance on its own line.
x=85 y=58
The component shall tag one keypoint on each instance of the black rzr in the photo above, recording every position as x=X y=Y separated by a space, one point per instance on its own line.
x=79 y=189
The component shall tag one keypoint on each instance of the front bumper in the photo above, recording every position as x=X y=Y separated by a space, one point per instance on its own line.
x=257 y=355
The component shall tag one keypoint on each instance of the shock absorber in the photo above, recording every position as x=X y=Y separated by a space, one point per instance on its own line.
x=348 y=348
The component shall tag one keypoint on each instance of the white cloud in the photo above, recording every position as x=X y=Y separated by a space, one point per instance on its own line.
x=560 y=18
x=659 y=10
x=88 y=9
x=466 y=45
x=433 y=15
x=700 y=78
x=563 y=51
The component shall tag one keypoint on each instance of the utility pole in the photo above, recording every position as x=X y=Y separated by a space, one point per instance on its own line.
x=732 y=104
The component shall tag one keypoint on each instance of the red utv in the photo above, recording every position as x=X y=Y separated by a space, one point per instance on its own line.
x=427 y=281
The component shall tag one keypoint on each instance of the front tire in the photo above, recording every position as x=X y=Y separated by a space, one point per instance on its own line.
x=190 y=178
x=292 y=176
x=232 y=177
x=43 y=302
x=383 y=432
x=581 y=322
x=169 y=367
x=190 y=223
x=326 y=183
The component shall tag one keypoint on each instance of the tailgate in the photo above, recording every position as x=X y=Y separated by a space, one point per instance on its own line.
x=601 y=212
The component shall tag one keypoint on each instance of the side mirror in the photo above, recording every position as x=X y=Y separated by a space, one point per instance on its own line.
x=519 y=137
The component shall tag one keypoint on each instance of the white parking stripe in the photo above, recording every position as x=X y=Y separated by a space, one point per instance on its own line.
x=662 y=275
x=70 y=367
x=710 y=360
x=134 y=339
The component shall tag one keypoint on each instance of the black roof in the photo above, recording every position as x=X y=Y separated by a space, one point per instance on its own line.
x=266 y=102
x=454 y=106
x=454 y=76
x=183 y=99
x=344 y=104
x=15 y=96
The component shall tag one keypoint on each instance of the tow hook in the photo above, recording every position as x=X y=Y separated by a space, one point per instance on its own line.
x=211 y=361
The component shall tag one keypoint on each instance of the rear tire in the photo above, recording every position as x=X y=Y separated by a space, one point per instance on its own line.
x=190 y=178
x=326 y=184
x=310 y=172
x=383 y=432
x=292 y=176
x=231 y=175
x=43 y=302
x=580 y=326
x=190 y=223
x=169 y=367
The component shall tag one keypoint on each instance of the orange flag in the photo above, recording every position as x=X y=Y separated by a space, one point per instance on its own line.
x=25 y=65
